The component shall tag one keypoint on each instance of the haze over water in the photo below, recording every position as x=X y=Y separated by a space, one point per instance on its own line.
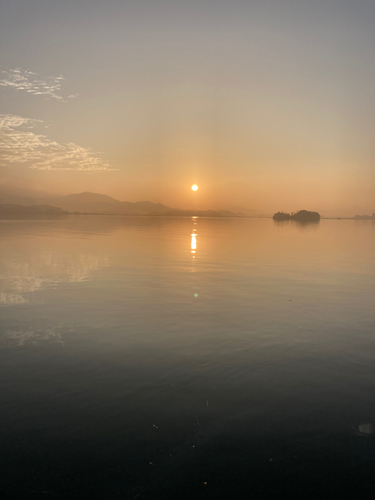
x=151 y=357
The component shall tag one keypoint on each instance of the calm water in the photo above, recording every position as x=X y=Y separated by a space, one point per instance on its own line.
x=187 y=358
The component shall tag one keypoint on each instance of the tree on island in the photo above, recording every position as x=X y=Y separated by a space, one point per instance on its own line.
x=300 y=216
x=281 y=216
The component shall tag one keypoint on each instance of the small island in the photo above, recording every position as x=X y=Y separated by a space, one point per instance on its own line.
x=300 y=216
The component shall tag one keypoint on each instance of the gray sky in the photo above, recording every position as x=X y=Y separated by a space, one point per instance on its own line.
x=265 y=104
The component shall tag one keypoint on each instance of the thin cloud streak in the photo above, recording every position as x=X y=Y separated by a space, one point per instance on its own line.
x=30 y=82
x=18 y=144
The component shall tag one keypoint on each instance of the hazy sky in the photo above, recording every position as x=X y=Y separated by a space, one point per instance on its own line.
x=263 y=104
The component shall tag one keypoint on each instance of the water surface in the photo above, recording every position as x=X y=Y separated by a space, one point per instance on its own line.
x=150 y=357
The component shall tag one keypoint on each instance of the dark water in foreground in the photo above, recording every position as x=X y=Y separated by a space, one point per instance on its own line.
x=187 y=358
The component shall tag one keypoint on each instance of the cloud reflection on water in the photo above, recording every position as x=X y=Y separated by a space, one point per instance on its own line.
x=34 y=271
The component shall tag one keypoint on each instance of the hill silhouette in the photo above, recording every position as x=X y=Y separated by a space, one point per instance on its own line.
x=85 y=202
x=95 y=203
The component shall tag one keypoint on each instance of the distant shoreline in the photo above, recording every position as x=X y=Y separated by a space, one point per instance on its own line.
x=54 y=216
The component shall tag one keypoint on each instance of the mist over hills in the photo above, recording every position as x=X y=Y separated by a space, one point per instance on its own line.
x=346 y=212
x=103 y=204
x=86 y=202
x=250 y=212
x=22 y=210
x=94 y=203
x=22 y=196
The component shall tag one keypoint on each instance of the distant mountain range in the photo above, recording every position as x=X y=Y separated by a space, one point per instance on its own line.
x=95 y=203
x=103 y=204
x=83 y=202
x=92 y=203
x=365 y=217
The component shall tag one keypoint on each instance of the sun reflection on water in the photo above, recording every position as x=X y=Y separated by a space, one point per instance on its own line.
x=193 y=242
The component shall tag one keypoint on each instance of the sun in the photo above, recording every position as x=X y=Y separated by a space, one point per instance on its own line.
x=194 y=187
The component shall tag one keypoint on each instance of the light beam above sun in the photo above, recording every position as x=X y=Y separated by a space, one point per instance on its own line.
x=194 y=187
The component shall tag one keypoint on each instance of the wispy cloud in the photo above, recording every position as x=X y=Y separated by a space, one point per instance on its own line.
x=19 y=144
x=32 y=83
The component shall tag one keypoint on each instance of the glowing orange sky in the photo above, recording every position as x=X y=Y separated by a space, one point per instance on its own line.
x=266 y=105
